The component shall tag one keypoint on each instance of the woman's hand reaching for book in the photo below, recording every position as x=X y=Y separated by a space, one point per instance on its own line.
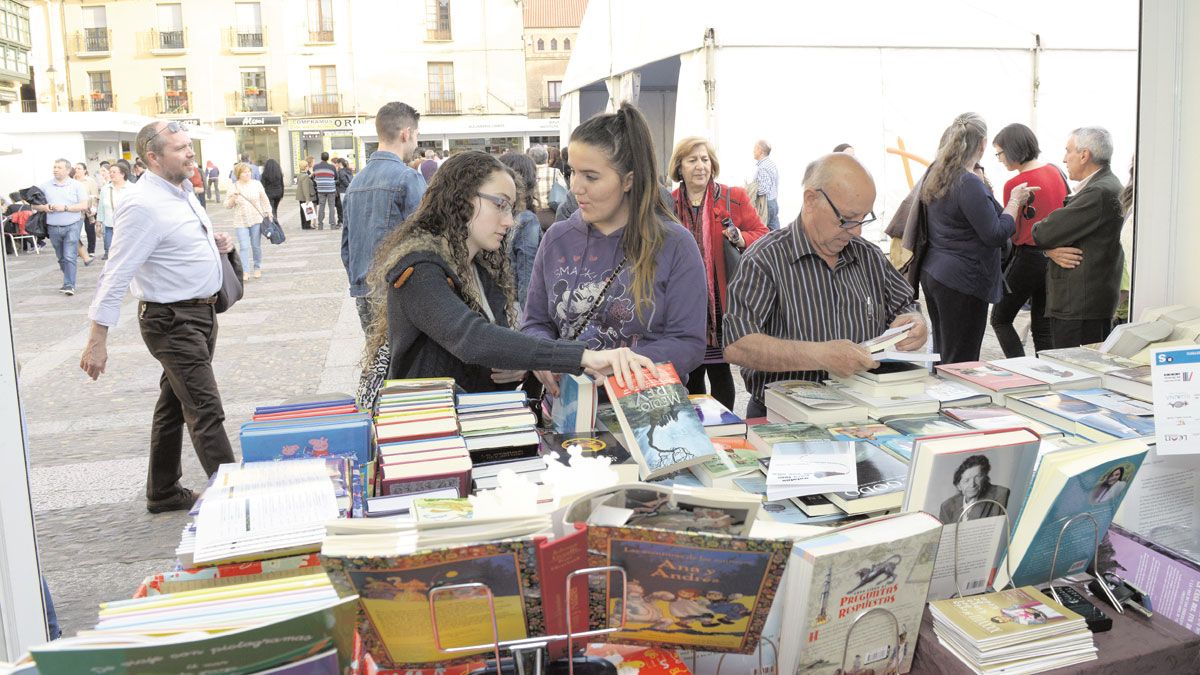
x=549 y=380
x=622 y=363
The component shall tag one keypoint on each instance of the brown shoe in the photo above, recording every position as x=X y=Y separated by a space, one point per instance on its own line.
x=180 y=501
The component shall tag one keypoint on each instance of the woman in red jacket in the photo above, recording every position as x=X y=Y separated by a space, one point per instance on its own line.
x=715 y=214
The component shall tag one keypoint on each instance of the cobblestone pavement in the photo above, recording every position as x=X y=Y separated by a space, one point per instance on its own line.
x=294 y=334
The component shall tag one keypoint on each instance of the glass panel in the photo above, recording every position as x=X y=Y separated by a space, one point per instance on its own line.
x=170 y=18
x=94 y=17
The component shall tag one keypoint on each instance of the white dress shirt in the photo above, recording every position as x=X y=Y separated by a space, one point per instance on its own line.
x=163 y=249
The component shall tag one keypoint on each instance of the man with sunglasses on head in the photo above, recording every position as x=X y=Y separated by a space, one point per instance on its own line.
x=164 y=250
x=805 y=296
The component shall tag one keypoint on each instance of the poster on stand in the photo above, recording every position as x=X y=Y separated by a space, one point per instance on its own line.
x=1175 y=375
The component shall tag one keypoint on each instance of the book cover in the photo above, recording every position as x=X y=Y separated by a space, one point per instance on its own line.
x=678 y=506
x=1172 y=580
x=831 y=579
x=809 y=394
x=1010 y=614
x=394 y=607
x=765 y=436
x=333 y=436
x=658 y=420
x=811 y=467
x=989 y=376
x=881 y=482
x=1053 y=374
x=735 y=456
x=557 y=558
x=1089 y=359
x=690 y=590
x=598 y=443
x=924 y=425
x=716 y=418
x=574 y=409
x=863 y=432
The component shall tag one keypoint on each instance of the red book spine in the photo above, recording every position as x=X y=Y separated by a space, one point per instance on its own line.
x=556 y=558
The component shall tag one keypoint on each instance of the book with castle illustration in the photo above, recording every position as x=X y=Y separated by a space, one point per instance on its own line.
x=659 y=423
x=687 y=589
x=833 y=578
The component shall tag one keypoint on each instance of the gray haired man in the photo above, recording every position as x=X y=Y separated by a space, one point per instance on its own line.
x=1083 y=286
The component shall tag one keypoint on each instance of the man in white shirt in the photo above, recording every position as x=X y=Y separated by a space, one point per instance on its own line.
x=66 y=200
x=165 y=252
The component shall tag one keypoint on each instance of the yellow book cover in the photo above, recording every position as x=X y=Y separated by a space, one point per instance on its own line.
x=1003 y=613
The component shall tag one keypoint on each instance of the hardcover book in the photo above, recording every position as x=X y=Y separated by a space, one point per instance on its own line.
x=573 y=411
x=1087 y=359
x=766 y=436
x=811 y=467
x=658 y=420
x=556 y=559
x=1053 y=375
x=803 y=401
x=686 y=589
x=333 y=436
x=924 y=425
x=1136 y=382
x=881 y=482
x=991 y=379
x=735 y=457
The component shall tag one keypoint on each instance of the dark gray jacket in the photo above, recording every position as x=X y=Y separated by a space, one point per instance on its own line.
x=433 y=332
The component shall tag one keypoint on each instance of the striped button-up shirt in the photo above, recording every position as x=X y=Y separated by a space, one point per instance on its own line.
x=784 y=289
x=768 y=178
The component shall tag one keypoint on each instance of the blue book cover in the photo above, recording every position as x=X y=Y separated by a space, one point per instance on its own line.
x=1097 y=490
x=311 y=405
x=334 y=436
x=574 y=409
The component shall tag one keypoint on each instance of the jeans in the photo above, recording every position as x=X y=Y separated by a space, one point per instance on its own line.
x=958 y=321
x=772 y=214
x=326 y=201
x=107 y=238
x=250 y=239
x=1026 y=277
x=212 y=187
x=65 y=239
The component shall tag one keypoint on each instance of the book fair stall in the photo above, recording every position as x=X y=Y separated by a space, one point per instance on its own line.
x=1020 y=515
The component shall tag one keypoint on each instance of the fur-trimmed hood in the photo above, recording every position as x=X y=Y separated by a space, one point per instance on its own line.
x=421 y=246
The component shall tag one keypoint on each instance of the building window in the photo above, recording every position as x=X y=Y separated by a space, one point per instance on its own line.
x=14 y=23
x=437 y=19
x=553 y=92
x=95 y=29
x=553 y=44
x=101 y=97
x=320 y=20
x=324 y=99
x=541 y=45
x=175 y=93
x=567 y=44
x=442 y=98
x=170 y=26
x=249 y=24
x=253 y=94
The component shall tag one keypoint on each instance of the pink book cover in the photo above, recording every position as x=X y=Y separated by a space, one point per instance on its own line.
x=988 y=376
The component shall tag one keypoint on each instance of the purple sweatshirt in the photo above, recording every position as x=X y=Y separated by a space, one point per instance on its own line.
x=572 y=264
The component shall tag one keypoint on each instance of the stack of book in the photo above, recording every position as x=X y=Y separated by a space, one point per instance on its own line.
x=500 y=433
x=812 y=402
x=1055 y=377
x=420 y=448
x=331 y=428
x=1016 y=631
x=718 y=420
x=415 y=409
x=989 y=379
x=262 y=510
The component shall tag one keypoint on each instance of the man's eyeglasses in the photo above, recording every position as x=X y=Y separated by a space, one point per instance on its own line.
x=845 y=223
x=172 y=127
x=502 y=203
x=998 y=153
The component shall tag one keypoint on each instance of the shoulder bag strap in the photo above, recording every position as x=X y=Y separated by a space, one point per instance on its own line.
x=586 y=319
x=252 y=204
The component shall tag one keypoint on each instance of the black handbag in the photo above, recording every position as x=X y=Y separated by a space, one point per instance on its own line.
x=232 y=288
x=269 y=228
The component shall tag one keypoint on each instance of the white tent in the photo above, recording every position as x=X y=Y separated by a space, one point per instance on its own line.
x=808 y=76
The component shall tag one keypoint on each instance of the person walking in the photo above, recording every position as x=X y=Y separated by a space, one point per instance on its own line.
x=272 y=182
x=165 y=252
x=766 y=176
x=66 y=200
x=306 y=192
x=212 y=182
x=342 y=182
x=110 y=196
x=250 y=207
x=324 y=175
x=89 y=216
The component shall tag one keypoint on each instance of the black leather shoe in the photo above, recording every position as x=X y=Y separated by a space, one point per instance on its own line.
x=180 y=501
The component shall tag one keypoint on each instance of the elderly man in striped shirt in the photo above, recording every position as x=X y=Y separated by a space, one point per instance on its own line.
x=805 y=296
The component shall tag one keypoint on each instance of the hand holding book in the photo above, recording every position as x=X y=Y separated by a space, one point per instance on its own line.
x=626 y=366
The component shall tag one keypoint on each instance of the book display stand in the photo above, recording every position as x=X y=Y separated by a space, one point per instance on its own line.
x=1007 y=543
x=1095 y=558
x=521 y=649
x=759 y=653
x=854 y=624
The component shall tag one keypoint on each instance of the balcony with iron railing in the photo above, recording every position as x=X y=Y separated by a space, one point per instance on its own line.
x=97 y=101
x=322 y=34
x=546 y=103
x=448 y=103
x=251 y=99
x=168 y=41
x=323 y=104
x=173 y=102
x=438 y=34
x=93 y=42
x=247 y=40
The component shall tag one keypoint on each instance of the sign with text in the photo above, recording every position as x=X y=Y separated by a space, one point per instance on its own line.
x=1175 y=378
x=346 y=123
x=254 y=121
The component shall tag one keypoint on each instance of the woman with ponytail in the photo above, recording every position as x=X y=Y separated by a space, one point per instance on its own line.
x=621 y=271
x=961 y=274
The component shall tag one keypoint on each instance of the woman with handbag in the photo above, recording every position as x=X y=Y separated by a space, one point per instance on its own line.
x=443 y=290
x=1016 y=147
x=621 y=271
x=110 y=196
x=250 y=208
x=967 y=228
x=272 y=182
x=306 y=193
x=723 y=221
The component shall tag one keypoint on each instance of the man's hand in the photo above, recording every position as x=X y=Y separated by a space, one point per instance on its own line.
x=95 y=352
x=1066 y=257
x=224 y=242
x=916 y=335
x=844 y=358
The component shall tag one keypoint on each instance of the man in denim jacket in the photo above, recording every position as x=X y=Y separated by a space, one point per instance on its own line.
x=381 y=196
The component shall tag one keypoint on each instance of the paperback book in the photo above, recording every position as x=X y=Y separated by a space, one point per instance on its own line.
x=804 y=401
x=660 y=423
x=718 y=420
x=882 y=479
x=990 y=379
x=735 y=457
x=764 y=437
x=811 y=467
x=1053 y=375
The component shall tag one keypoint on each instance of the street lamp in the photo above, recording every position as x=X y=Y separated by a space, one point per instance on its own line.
x=50 y=73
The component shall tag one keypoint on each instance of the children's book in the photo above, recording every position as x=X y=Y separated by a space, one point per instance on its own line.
x=660 y=424
x=332 y=436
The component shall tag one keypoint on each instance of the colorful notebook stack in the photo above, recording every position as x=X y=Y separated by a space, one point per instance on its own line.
x=420 y=448
x=501 y=433
x=330 y=428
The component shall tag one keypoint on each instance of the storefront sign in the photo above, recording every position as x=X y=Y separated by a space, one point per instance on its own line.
x=330 y=123
x=311 y=134
x=190 y=121
x=254 y=121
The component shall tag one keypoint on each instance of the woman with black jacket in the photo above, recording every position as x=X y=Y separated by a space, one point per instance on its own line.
x=272 y=182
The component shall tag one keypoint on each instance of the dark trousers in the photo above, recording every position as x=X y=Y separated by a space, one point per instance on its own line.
x=1026 y=280
x=183 y=337
x=274 y=207
x=958 y=321
x=89 y=228
x=755 y=409
x=1076 y=332
x=722 y=382
x=338 y=206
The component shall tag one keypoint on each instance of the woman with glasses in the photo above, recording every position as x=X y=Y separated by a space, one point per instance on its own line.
x=1016 y=147
x=715 y=214
x=443 y=290
x=620 y=272
x=960 y=273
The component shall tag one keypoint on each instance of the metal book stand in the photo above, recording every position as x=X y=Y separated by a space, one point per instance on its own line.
x=1095 y=559
x=759 y=653
x=1007 y=543
x=522 y=648
x=854 y=624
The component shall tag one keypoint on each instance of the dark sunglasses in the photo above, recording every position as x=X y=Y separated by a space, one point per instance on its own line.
x=172 y=127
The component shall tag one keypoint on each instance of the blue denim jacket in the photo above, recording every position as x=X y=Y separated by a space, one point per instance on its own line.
x=381 y=196
x=523 y=246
